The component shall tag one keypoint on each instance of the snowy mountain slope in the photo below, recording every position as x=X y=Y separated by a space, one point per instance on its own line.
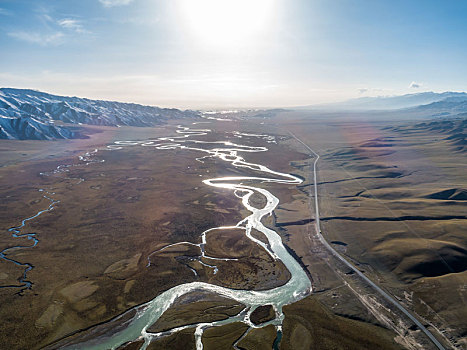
x=37 y=109
x=394 y=102
x=449 y=106
x=27 y=128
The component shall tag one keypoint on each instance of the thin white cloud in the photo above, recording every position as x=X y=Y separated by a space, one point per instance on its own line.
x=371 y=91
x=52 y=39
x=46 y=18
x=5 y=12
x=112 y=3
x=72 y=24
x=415 y=85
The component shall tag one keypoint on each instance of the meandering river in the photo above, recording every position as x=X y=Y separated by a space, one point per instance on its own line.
x=243 y=187
x=16 y=231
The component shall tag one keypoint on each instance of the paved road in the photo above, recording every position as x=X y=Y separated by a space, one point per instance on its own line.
x=384 y=294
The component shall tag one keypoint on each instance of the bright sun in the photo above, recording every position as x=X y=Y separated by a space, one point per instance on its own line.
x=227 y=23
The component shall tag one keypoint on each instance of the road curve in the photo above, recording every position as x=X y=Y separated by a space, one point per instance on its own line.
x=384 y=294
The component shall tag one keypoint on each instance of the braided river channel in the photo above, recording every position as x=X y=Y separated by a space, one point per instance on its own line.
x=134 y=324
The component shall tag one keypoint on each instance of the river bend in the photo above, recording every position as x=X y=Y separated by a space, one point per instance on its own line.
x=295 y=289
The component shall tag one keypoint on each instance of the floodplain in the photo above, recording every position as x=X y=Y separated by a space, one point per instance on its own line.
x=127 y=224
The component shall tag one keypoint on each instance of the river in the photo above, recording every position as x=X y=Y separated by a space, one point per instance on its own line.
x=140 y=318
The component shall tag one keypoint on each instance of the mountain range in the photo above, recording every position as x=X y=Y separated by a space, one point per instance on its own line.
x=448 y=98
x=31 y=114
x=35 y=115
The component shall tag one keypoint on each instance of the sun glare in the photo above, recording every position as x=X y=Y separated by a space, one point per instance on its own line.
x=227 y=23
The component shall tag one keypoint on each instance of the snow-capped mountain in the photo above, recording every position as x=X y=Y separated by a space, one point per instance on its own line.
x=29 y=114
x=395 y=102
x=26 y=128
x=449 y=106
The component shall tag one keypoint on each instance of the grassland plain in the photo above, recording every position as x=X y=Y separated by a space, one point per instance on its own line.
x=393 y=202
x=91 y=263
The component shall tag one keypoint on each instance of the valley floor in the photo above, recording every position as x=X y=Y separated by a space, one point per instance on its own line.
x=392 y=201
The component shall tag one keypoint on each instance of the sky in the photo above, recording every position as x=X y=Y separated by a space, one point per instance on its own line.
x=233 y=53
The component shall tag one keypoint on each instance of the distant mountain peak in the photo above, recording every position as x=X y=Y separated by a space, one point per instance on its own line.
x=394 y=102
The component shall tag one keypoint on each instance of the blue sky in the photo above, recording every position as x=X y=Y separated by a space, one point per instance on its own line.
x=224 y=53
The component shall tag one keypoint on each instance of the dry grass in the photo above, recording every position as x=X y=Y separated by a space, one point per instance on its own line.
x=392 y=199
